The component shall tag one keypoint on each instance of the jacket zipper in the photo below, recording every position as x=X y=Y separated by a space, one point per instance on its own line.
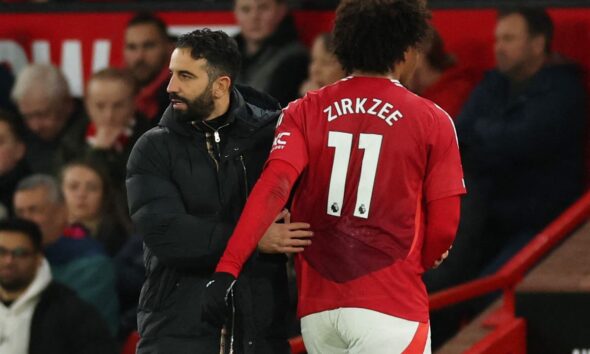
x=245 y=176
x=210 y=150
x=216 y=137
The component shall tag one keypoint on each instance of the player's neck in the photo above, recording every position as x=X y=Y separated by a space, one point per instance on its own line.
x=389 y=75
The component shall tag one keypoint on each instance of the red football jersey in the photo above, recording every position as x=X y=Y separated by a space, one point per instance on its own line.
x=371 y=154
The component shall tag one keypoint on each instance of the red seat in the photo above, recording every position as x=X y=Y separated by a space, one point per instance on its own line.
x=130 y=343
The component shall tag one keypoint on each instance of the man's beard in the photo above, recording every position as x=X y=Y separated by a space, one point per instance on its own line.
x=143 y=74
x=15 y=284
x=197 y=110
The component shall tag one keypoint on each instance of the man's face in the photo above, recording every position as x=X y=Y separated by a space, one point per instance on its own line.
x=513 y=48
x=11 y=149
x=83 y=193
x=19 y=261
x=42 y=115
x=146 y=52
x=324 y=68
x=110 y=102
x=189 y=88
x=36 y=205
x=258 y=19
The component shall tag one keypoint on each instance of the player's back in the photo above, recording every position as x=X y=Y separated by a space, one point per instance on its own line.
x=368 y=142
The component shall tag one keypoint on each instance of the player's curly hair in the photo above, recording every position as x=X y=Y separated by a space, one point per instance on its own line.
x=219 y=49
x=373 y=35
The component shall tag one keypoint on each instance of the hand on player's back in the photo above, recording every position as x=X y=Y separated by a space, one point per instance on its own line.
x=285 y=237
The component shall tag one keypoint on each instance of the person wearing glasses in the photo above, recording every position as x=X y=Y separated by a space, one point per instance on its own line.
x=38 y=314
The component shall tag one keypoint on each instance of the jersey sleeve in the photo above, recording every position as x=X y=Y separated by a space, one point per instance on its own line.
x=444 y=173
x=289 y=143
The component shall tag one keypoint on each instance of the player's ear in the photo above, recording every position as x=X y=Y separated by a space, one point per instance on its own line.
x=408 y=66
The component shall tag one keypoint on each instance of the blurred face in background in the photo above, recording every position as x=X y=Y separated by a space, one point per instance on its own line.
x=37 y=206
x=258 y=19
x=146 y=52
x=514 y=48
x=42 y=115
x=324 y=68
x=83 y=193
x=19 y=261
x=11 y=149
x=110 y=102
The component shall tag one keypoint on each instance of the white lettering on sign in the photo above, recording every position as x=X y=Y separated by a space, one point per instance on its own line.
x=12 y=53
x=101 y=54
x=41 y=52
x=71 y=64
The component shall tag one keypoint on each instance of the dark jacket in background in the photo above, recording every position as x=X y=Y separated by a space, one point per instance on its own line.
x=280 y=65
x=8 y=184
x=64 y=324
x=185 y=194
x=41 y=154
x=6 y=83
x=523 y=149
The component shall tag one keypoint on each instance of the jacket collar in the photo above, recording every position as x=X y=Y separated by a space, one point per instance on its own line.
x=247 y=106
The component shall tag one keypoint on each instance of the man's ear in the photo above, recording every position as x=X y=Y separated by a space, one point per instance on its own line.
x=538 y=44
x=221 y=86
x=20 y=150
x=283 y=9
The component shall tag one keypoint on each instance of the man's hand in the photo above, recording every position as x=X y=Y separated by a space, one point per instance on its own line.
x=106 y=136
x=442 y=258
x=214 y=302
x=285 y=238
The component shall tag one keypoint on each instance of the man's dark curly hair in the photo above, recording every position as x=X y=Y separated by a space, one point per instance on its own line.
x=219 y=49
x=373 y=35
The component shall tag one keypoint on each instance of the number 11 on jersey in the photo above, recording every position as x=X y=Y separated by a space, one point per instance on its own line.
x=342 y=142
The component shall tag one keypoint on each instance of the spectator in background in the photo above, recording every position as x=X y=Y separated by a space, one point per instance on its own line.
x=273 y=60
x=91 y=201
x=522 y=135
x=13 y=166
x=440 y=78
x=146 y=54
x=76 y=259
x=114 y=124
x=6 y=82
x=51 y=115
x=324 y=67
x=37 y=314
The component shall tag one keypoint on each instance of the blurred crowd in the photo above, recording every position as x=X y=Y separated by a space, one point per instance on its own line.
x=521 y=129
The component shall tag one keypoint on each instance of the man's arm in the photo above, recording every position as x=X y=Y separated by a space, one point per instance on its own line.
x=270 y=194
x=87 y=332
x=442 y=221
x=268 y=197
x=176 y=238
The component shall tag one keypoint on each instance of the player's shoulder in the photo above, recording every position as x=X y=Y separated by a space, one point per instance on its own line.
x=426 y=107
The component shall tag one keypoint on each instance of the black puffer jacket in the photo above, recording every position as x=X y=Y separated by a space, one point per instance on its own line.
x=186 y=192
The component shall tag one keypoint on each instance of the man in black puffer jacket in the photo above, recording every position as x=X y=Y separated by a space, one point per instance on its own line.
x=187 y=182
